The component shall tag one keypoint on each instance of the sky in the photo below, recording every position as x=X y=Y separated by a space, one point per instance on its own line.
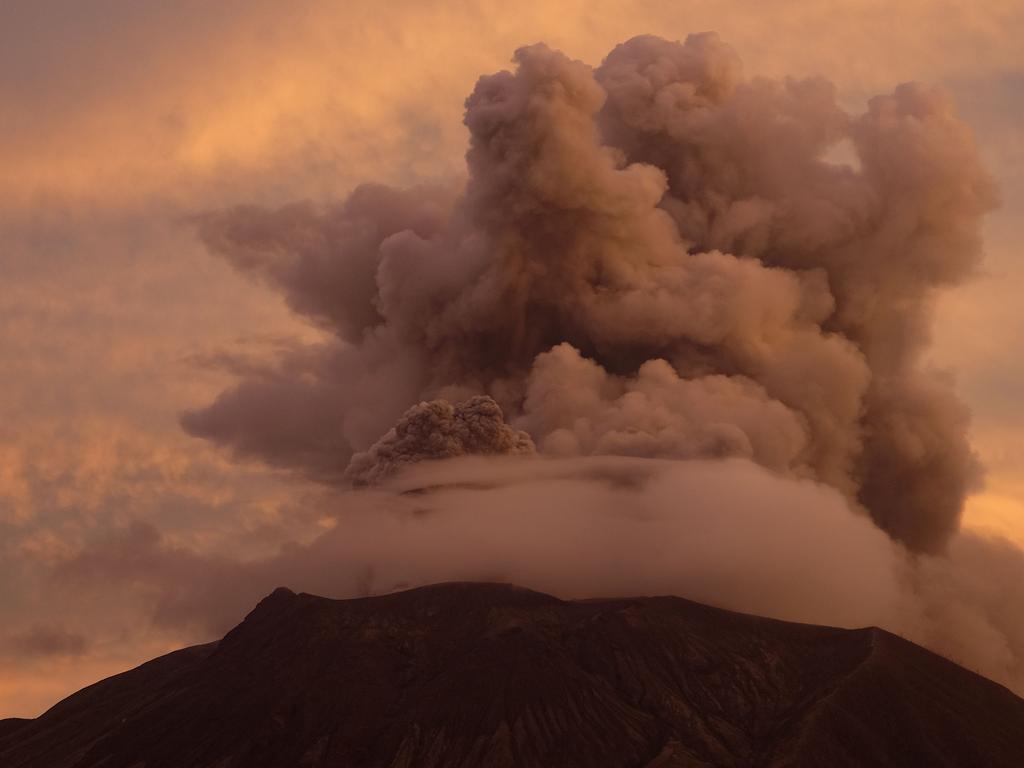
x=123 y=123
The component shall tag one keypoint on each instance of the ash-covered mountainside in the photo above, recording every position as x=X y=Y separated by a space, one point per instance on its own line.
x=491 y=675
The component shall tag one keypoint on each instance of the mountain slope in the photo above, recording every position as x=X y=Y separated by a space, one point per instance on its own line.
x=492 y=675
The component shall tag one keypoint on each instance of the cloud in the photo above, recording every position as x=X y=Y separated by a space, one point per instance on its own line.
x=727 y=533
x=653 y=257
x=190 y=107
x=46 y=640
x=439 y=430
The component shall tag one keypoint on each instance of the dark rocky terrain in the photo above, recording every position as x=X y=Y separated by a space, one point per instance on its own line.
x=489 y=675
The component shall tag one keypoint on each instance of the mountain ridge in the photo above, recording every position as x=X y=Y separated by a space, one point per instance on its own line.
x=470 y=674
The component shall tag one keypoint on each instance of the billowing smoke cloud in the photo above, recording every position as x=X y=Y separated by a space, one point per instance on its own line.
x=652 y=258
x=439 y=430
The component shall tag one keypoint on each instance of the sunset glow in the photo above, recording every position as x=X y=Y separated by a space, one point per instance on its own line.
x=141 y=506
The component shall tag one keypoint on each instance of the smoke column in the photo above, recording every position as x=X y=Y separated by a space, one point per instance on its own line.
x=564 y=371
x=653 y=258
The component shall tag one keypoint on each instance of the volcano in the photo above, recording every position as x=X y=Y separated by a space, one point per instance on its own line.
x=467 y=674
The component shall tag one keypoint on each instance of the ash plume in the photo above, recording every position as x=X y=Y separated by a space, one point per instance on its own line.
x=439 y=430
x=653 y=258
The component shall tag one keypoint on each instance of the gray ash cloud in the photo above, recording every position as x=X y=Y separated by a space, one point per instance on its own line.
x=654 y=257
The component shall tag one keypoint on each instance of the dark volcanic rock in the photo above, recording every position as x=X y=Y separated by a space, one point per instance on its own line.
x=11 y=724
x=488 y=675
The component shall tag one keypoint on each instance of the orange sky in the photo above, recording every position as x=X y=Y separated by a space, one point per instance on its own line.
x=119 y=121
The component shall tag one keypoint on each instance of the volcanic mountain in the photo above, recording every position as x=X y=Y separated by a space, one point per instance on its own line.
x=493 y=675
